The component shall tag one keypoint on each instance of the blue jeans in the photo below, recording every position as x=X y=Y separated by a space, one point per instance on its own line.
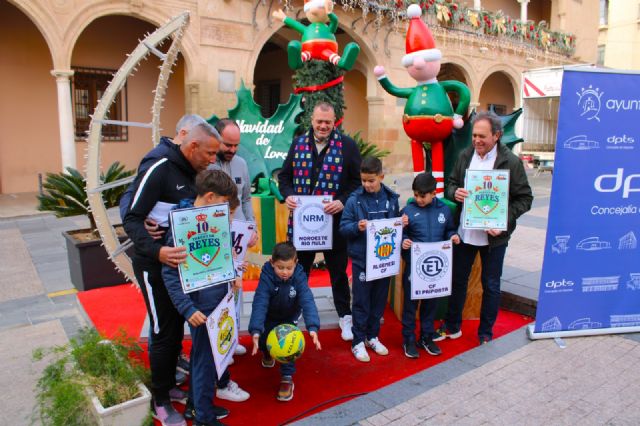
x=286 y=369
x=369 y=301
x=492 y=259
x=428 y=308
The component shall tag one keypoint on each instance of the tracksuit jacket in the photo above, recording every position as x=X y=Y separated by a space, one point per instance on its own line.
x=279 y=301
x=364 y=205
x=167 y=181
x=431 y=223
x=147 y=161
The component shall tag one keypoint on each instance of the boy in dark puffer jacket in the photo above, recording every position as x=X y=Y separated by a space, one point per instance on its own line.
x=282 y=293
x=430 y=220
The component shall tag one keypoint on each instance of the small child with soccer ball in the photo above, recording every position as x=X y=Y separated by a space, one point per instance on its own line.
x=282 y=293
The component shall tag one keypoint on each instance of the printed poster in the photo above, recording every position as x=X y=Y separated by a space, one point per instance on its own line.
x=241 y=232
x=487 y=205
x=222 y=327
x=384 y=241
x=312 y=227
x=205 y=233
x=431 y=266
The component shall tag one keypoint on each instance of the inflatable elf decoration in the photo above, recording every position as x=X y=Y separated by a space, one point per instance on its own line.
x=428 y=114
x=318 y=38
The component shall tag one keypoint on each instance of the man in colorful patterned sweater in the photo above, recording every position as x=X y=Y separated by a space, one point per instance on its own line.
x=323 y=161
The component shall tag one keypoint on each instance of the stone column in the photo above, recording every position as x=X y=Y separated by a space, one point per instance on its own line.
x=523 y=10
x=65 y=117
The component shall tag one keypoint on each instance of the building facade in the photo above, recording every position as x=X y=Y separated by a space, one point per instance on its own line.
x=59 y=54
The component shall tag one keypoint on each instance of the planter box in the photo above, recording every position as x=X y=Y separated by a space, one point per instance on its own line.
x=132 y=412
x=89 y=264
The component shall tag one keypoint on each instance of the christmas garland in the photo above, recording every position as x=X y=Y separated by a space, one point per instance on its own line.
x=452 y=15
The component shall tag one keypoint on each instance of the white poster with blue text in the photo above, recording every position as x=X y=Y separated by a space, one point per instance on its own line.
x=591 y=270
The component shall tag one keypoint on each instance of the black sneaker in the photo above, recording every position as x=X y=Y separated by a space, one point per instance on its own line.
x=484 y=340
x=190 y=411
x=410 y=350
x=430 y=346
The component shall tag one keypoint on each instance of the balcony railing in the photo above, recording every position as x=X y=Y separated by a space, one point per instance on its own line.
x=450 y=16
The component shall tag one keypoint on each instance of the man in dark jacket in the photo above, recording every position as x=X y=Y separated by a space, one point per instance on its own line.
x=487 y=153
x=167 y=181
x=325 y=162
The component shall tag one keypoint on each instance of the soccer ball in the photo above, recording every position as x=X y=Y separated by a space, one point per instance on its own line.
x=206 y=257
x=285 y=343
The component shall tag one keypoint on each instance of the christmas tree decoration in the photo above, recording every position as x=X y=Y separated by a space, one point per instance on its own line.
x=318 y=38
x=428 y=114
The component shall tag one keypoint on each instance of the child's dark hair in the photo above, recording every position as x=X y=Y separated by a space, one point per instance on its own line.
x=283 y=251
x=216 y=181
x=424 y=183
x=371 y=165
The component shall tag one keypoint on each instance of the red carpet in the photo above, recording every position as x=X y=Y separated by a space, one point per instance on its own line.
x=321 y=375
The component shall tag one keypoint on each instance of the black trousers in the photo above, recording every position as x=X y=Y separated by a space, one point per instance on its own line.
x=336 y=260
x=167 y=327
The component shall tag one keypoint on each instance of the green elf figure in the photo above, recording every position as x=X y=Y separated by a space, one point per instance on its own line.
x=428 y=114
x=318 y=38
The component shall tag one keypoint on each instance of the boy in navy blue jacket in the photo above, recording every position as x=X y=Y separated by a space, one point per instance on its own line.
x=212 y=187
x=372 y=201
x=281 y=294
x=429 y=220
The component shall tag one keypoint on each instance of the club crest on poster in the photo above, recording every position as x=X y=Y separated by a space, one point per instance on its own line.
x=383 y=248
x=487 y=205
x=205 y=233
x=430 y=270
x=222 y=327
x=312 y=227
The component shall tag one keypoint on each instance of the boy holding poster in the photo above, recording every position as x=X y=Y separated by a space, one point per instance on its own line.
x=282 y=293
x=213 y=187
x=429 y=220
x=372 y=201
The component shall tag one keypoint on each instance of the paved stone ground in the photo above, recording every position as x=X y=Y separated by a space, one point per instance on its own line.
x=593 y=381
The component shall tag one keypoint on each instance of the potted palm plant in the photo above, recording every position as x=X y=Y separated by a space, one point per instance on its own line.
x=65 y=195
x=92 y=381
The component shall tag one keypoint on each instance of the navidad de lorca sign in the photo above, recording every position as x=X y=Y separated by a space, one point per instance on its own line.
x=264 y=142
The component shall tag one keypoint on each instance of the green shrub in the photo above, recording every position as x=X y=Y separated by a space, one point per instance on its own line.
x=88 y=360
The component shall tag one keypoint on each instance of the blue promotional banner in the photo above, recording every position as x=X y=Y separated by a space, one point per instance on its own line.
x=591 y=270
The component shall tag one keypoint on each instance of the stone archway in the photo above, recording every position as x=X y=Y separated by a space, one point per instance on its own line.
x=28 y=112
x=497 y=90
x=98 y=48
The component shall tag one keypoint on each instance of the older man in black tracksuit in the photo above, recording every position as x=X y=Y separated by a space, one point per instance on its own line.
x=165 y=182
x=487 y=153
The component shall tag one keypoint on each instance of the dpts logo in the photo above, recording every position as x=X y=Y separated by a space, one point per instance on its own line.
x=619 y=181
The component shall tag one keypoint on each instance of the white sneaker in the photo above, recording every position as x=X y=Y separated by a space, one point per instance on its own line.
x=345 y=324
x=240 y=350
x=377 y=346
x=232 y=392
x=360 y=352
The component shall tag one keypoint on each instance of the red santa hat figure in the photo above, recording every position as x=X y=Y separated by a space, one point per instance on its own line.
x=312 y=4
x=419 y=40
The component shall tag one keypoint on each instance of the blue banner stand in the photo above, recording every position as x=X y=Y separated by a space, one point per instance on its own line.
x=590 y=281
